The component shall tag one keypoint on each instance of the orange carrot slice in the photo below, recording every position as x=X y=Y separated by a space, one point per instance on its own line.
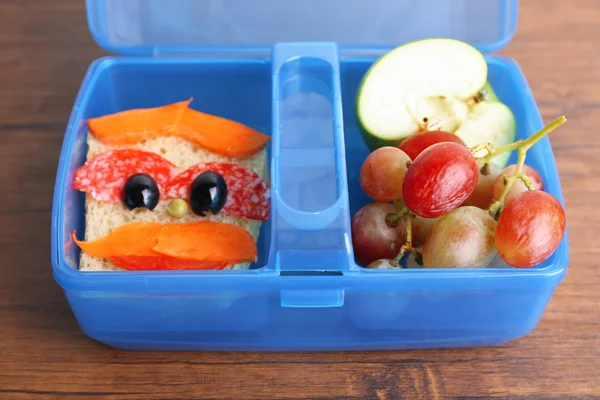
x=216 y=244
x=220 y=135
x=206 y=241
x=134 y=126
x=217 y=134
x=136 y=238
x=139 y=263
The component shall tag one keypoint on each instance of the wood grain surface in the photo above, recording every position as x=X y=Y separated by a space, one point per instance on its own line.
x=45 y=49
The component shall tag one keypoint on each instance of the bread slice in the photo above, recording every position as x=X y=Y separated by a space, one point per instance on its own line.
x=103 y=217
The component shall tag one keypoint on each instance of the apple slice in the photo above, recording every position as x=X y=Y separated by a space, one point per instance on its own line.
x=487 y=93
x=491 y=122
x=423 y=85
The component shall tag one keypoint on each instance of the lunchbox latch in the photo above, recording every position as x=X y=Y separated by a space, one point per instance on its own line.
x=312 y=298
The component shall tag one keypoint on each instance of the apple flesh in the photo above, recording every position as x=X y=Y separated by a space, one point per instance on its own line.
x=487 y=93
x=489 y=122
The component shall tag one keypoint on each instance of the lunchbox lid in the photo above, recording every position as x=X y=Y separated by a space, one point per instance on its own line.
x=154 y=27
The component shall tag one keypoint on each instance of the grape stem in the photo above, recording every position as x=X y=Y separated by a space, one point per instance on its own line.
x=407 y=247
x=510 y=180
x=527 y=181
x=392 y=219
x=520 y=144
x=485 y=169
x=483 y=146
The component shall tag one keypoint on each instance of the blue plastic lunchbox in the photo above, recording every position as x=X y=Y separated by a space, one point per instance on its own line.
x=291 y=69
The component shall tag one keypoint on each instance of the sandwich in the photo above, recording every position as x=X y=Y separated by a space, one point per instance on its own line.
x=172 y=188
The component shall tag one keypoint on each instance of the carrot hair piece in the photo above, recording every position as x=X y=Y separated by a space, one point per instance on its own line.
x=216 y=134
x=220 y=135
x=133 y=126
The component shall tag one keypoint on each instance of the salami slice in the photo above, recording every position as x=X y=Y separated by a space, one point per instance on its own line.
x=247 y=192
x=105 y=175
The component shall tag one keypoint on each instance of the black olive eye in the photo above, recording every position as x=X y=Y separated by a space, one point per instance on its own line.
x=141 y=191
x=209 y=193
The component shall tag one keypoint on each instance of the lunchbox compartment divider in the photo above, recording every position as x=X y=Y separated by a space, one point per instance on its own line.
x=311 y=220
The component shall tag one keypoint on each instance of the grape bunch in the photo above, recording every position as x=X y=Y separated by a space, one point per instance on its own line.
x=441 y=206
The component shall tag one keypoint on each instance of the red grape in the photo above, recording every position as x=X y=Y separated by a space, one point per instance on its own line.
x=416 y=143
x=440 y=179
x=530 y=228
x=372 y=238
x=482 y=195
x=421 y=228
x=518 y=186
x=382 y=174
x=464 y=238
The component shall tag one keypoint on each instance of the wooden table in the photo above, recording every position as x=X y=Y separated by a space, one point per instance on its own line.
x=45 y=49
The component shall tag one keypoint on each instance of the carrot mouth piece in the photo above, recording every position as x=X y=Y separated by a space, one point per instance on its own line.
x=161 y=263
x=173 y=246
